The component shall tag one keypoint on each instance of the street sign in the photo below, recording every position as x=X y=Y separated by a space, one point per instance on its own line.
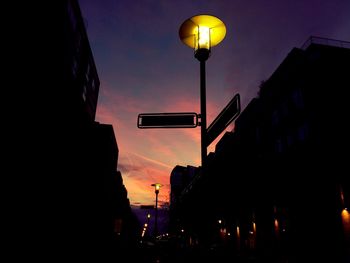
x=226 y=116
x=167 y=120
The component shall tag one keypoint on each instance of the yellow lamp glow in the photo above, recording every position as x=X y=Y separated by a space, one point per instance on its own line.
x=203 y=37
x=157 y=186
x=202 y=31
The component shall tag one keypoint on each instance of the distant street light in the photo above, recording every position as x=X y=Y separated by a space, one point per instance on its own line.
x=202 y=32
x=156 y=190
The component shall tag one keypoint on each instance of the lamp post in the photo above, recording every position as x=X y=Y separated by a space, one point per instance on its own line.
x=156 y=190
x=202 y=32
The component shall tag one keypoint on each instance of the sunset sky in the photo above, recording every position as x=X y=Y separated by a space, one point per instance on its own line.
x=144 y=67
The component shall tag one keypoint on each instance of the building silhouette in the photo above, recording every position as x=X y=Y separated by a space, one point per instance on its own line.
x=276 y=188
x=180 y=178
x=98 y=212
x=80 y=75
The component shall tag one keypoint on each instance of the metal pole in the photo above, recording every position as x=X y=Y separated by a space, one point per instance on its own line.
x=203 y=114
x=156 y=216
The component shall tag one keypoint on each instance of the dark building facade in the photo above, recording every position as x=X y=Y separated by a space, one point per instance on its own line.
x=81 y=82
x=99 y=215
x=180 y=178
x=276 y=189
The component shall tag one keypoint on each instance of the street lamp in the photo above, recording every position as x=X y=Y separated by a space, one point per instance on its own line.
x=202 y=32
x=148 y=217
x=156 y=190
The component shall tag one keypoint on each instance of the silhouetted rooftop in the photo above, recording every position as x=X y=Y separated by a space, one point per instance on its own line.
x=325 y=41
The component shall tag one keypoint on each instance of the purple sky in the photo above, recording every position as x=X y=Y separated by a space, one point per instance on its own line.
x=144 y=67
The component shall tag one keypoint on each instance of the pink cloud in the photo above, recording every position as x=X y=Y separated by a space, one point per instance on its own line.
x=139 y=172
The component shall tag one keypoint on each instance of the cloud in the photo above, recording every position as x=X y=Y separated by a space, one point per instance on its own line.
x=127 y=168
x=139 y=172
x=153 y=161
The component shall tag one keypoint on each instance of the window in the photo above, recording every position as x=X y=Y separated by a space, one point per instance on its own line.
x=257 y=135
x=302 y=132
x=87 y=73
x=297 y=98
x=74 y=67
x=72 y=16
x=284 y=108
x=275 y=118
x=84 y=93
x=289 y=139
x=93 y=84
x=279 y=145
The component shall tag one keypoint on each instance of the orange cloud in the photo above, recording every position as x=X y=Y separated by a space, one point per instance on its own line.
x=139 y=172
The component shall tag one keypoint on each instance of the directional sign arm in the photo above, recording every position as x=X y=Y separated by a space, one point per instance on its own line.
x=226 y=116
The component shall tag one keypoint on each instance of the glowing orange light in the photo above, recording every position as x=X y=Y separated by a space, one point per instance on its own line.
x=345 y=216
x=238 y=237
x=277 y=232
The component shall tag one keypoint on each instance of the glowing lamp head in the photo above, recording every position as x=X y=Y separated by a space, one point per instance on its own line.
x=156 y=187
x=203 y=38
x=202 y=32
